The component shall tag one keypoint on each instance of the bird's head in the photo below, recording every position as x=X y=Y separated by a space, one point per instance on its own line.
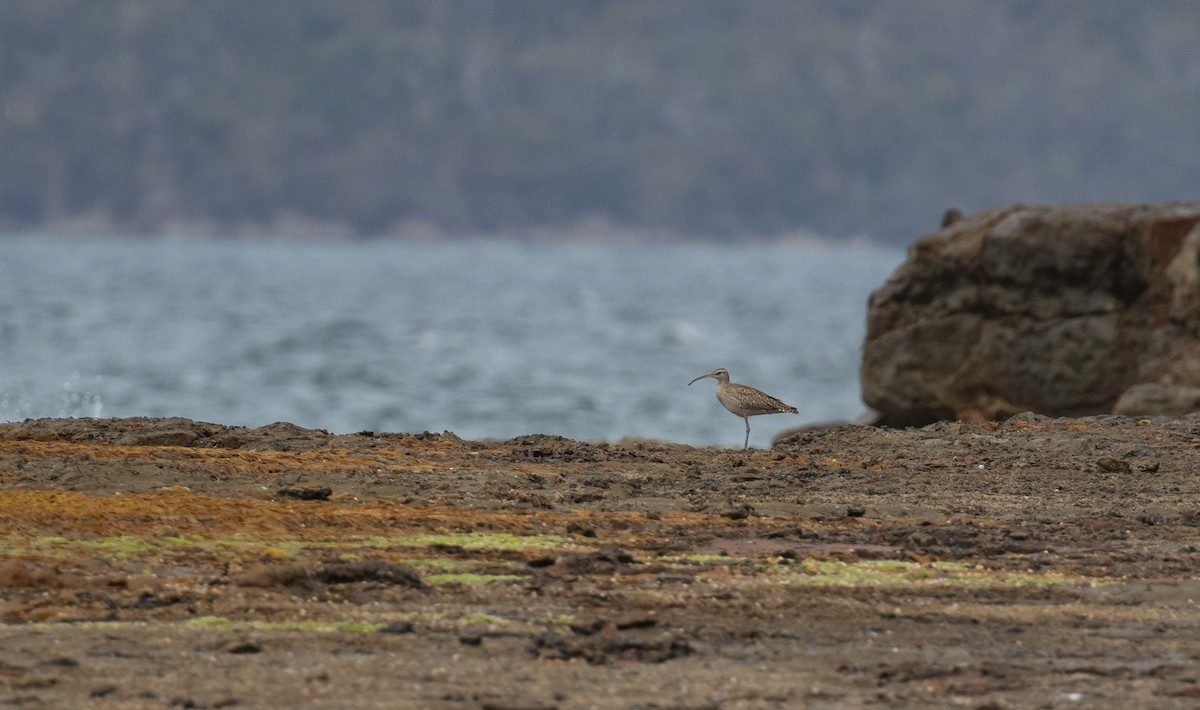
x=720 y=375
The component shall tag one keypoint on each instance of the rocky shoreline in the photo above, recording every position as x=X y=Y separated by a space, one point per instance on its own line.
x=1036 y=562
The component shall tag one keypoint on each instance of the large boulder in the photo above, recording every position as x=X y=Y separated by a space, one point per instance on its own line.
x=1052 y=309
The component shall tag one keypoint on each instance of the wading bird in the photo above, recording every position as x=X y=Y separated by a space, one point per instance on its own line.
x=743 y=400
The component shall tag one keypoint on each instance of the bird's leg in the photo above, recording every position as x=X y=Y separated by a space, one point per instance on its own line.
x=746 y=445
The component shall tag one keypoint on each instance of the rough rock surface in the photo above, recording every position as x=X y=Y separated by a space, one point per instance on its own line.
x=1053 y=309
x=1035 y=563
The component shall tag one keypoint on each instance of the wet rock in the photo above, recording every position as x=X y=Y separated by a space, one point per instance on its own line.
x=607 y=560
x=1113 y=465
x=740 y=512
x=272 y=575
x=148 y=600
x=61 y=662
x=1054 y=309
x=922 y=539
x=306 y=492
x=102 y=691
x=368 y=571
x=32 y=575
x=243 y=647
x=908 y=671
x=605 y=648
x=581 y=529
x=298 y=575
x=602 y=625
x=514 y=704
x=21 y=575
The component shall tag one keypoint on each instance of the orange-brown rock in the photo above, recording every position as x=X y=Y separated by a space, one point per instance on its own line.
x=1053 y=309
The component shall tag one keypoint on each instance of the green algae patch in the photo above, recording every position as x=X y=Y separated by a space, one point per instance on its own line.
x=701 y=559
x=210 y=622
x=125 y=546
x=466 y=541
x=898 y=572
x=120 y=547
x=487 y=541
x=709 y=559
x=472 y=578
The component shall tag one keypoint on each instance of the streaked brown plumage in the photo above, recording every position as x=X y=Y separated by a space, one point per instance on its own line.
x=743 y=400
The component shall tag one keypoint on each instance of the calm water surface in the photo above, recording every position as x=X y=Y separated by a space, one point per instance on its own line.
x=486 y=340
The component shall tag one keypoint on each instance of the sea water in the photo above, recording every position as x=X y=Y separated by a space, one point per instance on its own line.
x=488 y=340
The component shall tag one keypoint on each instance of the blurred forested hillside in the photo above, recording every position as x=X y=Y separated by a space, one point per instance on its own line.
x=725 y=119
